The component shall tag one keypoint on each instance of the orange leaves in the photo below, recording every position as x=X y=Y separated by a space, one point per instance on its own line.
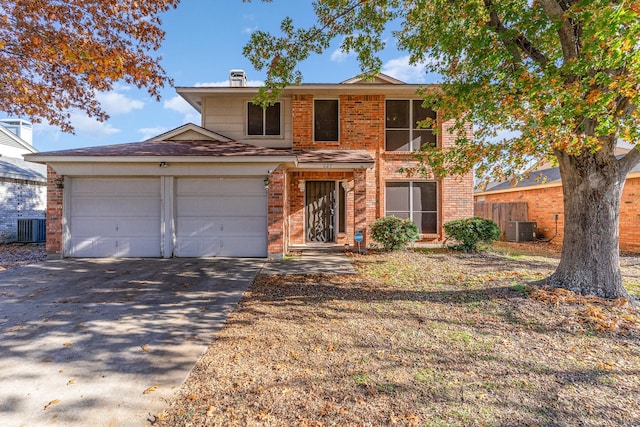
x=151 y=389
x=62 y=59
x=50 y=404
x=603 y=316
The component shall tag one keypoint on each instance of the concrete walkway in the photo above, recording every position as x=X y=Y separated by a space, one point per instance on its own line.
x=310 y=261
x=81 y=340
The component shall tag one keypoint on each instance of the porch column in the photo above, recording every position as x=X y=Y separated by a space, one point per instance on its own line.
x=360 y=204
x=276 y=216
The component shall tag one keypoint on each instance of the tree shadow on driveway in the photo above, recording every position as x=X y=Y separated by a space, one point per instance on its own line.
x=95 y=334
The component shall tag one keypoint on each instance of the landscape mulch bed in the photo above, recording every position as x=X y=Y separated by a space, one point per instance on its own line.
x=14 y=255
x=420 y=338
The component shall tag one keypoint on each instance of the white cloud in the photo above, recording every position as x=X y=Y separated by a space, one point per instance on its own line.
x=83 y=125
x=115 y=103
x=340 y=55
x=249 y=30
x=148 y=133
x=179 y=105
x=91 y=127
x=400 y=69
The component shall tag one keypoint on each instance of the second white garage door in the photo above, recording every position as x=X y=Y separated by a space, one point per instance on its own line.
x=221 y=217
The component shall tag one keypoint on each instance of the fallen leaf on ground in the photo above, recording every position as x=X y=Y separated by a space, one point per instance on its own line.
x=145 y=347
x=53 y=402
x=71 y=381
x=150 y=389
x=67 y=344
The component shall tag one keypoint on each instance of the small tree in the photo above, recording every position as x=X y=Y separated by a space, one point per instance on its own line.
x=393 y=232
x=471 y=231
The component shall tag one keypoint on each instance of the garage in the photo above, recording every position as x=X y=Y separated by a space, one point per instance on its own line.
x=186 y=193
x=115 y=217
x=221 y=217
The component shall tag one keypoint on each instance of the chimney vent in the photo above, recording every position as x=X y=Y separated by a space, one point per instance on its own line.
x=237 y=78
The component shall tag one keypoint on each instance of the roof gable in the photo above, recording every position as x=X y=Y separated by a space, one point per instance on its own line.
x=10 y=139
x=379 y=78
x=190 y=132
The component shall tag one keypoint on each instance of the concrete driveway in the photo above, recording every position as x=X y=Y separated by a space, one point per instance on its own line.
x=82 y=340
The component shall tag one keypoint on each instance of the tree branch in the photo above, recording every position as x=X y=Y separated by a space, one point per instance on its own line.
x=631 y=159
x=518 y=42
x=568 y=31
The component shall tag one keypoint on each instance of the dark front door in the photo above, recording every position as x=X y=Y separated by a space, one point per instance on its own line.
x=320 y=210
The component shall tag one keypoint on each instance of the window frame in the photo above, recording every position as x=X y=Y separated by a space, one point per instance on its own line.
x=264 y=122
x=329 y=141
x=411 y=129
x=412 y=211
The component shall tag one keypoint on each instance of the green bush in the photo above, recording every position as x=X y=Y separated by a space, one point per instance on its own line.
x=393 y=232
x=471 y=231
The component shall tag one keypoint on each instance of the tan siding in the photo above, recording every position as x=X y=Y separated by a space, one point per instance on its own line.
x=226 y=115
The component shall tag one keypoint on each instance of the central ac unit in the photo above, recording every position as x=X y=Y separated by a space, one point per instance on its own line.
x=32 y=230
x=520 y=231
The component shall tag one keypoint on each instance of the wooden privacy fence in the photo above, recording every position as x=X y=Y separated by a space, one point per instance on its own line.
x=500 y=213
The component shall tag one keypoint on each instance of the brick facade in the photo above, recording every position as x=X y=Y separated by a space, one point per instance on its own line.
x=362 y=127
x=54 y=213
x=19 y=199
x=547 y=201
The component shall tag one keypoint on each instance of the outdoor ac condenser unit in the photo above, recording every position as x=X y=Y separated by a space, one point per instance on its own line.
x=32 y=230
x=520 y=231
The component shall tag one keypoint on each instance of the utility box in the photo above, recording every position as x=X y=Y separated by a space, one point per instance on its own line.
x=520 y=231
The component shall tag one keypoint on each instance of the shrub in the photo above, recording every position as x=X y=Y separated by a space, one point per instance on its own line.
x=471 y=231
x=393 y=232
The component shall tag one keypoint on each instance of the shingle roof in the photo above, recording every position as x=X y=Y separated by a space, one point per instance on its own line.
x=544 y=176
x=19 y=169
x=333 y=156
x=171 y=148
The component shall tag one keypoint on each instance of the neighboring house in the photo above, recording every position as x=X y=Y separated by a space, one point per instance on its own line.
x=542 y=192
x=23 y=191
x=318 y=166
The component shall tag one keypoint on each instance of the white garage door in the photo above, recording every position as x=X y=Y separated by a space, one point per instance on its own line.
x=115 y=217
x=221 y=217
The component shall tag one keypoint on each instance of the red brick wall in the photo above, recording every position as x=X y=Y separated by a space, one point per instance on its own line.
x=362 y=124
x=54 y=213
x=277 y=213
x=544 y=203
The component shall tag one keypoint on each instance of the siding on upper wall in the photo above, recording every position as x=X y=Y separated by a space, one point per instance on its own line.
x=226 y=115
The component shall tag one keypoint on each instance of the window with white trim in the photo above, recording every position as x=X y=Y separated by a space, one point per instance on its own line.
x=263 y=121
x=416 y=200
x=401 y=125
x=325 y=120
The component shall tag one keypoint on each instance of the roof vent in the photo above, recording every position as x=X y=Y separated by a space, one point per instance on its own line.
x=237 y=78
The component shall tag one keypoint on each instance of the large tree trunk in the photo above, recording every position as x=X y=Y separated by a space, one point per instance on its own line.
x=592 y=185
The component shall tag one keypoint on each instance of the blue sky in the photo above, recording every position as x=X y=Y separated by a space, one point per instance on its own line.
x=204 y=40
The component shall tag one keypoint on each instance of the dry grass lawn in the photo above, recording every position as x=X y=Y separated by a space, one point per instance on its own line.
x=420 y=338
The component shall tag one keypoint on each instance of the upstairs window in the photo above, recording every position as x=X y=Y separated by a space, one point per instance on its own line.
x=416 y=200
x=325 y=120
x=401 y=128
x=263 y=121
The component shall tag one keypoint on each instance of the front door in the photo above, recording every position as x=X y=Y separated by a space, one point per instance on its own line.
x=320 y=210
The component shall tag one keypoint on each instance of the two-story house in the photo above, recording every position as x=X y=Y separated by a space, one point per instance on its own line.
x=314 y=168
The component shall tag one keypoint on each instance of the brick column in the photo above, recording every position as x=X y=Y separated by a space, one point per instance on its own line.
x=276 y=217
x=54 y=213
x=360 y=204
